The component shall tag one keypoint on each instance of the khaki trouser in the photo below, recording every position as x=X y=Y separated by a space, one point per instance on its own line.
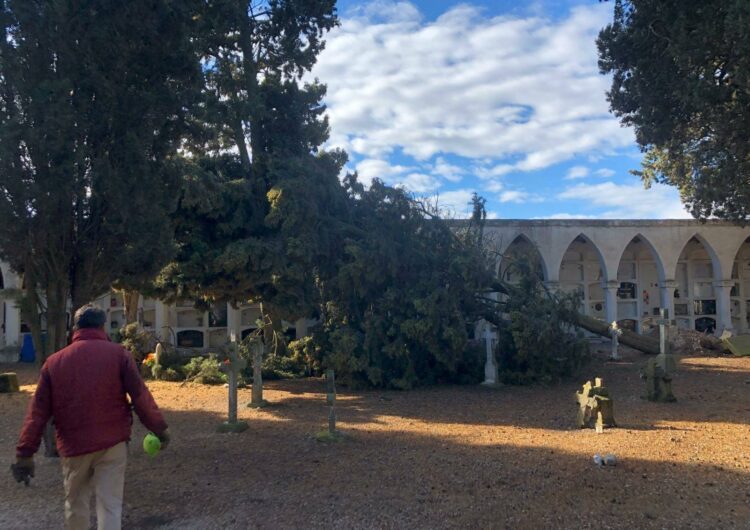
x=101 y=473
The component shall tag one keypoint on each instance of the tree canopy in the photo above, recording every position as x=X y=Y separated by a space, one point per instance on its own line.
x=681 y=78
x=408 y=290
x=93 y=100
x=252 y=222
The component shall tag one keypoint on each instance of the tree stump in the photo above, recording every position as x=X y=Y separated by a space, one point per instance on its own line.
x=9 y=383
x=657 y=374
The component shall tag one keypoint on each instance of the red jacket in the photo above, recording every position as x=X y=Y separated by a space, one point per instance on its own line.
x=83 y=388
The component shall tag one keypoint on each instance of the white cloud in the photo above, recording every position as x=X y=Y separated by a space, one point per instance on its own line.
x=494 y=186
x=371 y=168
x=513 y=196
x=577 y=172
x=454 y=204
x=628 y=201
x=567 y=216
x=447 y=171
x=419 y=183
x=605 y=172
x=519 y=197
x=522 y=93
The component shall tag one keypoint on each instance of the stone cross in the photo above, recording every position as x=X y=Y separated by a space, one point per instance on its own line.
x=232 y=367
x=331 y=401
x=657 y=372
x=615 y=332
x=490 y=367
x=664 y=324
x=595 y=406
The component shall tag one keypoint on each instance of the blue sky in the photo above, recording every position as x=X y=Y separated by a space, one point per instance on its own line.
x=499 y=97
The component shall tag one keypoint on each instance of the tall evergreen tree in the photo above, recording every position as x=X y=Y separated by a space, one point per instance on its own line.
x=254 y=217
x=681 y=78
x=93 y=96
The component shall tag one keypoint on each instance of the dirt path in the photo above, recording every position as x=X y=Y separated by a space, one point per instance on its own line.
x=448 y=457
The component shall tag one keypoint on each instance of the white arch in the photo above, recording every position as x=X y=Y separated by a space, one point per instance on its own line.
x=661 y=272
x=523 y=237
x=602 y=261
x=715 y=261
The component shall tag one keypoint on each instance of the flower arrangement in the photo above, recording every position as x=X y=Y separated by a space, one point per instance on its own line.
x=149 y=360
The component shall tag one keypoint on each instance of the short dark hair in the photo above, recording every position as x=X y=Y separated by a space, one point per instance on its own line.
x=89 y=316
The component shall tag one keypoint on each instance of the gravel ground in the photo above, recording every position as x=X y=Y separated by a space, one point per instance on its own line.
x=446 y=457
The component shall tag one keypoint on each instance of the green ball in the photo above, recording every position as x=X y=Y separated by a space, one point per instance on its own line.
x=151 y=444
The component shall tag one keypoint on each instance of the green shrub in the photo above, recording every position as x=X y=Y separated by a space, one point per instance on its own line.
x=138 y=341
x=306 y=355
x=538 y=342
x=204 y=370
x=287 y=365
x=282 y=367
x=170 y=374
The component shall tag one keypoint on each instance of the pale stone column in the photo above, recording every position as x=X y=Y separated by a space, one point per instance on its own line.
x=723 y=289
x=666 y=295
x=610 y=300
x=552 y=286
x=234 y=331
x=490 y=366
x=301 y=328
x=12 y=323
x=161 y=327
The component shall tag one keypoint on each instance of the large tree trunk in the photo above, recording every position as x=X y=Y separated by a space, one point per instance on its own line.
x=31 y=310
x=130 y=299
x=57 y=339
x=267 y=345
x=257 y=392
x=634 y=340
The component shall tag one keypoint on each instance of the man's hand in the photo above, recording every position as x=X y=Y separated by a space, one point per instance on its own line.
x=23 y=469
x=164 y=438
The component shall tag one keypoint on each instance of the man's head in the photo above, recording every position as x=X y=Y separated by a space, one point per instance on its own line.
x=89 y=316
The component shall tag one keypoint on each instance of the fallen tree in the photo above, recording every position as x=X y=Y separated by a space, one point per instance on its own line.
x=628 y=338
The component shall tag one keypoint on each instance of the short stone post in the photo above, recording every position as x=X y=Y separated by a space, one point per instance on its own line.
x=257 y=347
x=9 y=383
x=331 y=434
x=615 y=332
x=490 y=366
x=658 y=371
x=331 y=400
x=232 y=367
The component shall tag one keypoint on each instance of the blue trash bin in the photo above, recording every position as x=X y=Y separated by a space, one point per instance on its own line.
x=28 y=354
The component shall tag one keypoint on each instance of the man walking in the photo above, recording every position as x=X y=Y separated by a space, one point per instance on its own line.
x=83 y=388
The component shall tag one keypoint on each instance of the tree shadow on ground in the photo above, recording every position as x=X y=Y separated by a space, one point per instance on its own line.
x=276 y=475
x=705 y=392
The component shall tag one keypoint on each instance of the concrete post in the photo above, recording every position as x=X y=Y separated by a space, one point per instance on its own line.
x=490 y=366
x=666 y=295
x=552 y=286
x=12 y=323
x=234 y=331
x=160 y=322
x=723 y=290
x=610 y=300
x=300 y=327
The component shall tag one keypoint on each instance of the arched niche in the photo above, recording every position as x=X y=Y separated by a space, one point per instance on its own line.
x=740 y=293
x=696 y=298
x=521 y=248
x=640 y=273
x=582 y=271
x=190 y=338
